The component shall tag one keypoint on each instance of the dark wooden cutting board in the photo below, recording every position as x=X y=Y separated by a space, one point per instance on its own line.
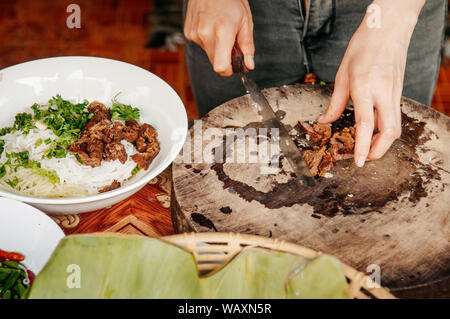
x=393 y=213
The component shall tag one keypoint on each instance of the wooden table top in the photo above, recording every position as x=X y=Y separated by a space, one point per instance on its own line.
x=145 y=213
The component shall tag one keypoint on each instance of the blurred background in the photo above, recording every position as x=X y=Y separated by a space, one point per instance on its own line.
x=146 y=33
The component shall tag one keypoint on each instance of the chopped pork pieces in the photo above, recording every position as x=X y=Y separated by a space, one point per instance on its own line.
x=322 y=158
x=101 y=140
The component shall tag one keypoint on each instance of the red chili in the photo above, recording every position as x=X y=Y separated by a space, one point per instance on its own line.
x=11 y=255
x=30 y=276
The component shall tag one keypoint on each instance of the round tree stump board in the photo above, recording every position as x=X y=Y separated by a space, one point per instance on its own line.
x=391 y=215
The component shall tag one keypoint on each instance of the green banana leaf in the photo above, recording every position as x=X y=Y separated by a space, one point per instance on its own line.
x=253 y=274
x=322 y=278
x=117 y=266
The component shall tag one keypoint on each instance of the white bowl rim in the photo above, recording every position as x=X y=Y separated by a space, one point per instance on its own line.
x=50 y=225
x=123 y=189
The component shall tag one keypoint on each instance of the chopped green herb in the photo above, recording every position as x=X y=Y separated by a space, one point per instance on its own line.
x=135 y=170
x=322 y=83
x=57 y=148
x=2 y=146
x=51 y=175
x=120 y=111
x=23 y=122
x=17 y=160
x=38 y=142
x=63 y=115
x=2 y=171
x=37 y=111
x=21 y=158
x=13 y=183
x=65 y=119
x=5 y=130
x=79 y=159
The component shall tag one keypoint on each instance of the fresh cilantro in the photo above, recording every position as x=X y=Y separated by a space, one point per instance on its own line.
x=120 y=111
x=58 y=147
x=23 y=122
x=2 y=146
x=62 y=117
x=37 y=111
x=22 y=159
x=65 y=119
x=5 y=130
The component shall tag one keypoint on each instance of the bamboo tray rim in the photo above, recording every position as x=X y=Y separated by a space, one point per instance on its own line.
x=361 y=286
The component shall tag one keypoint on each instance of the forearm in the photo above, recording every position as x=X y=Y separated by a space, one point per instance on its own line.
x=394 y=19
x=399 y=8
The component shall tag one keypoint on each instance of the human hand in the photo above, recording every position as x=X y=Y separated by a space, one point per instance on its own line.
x=216 y=25
x=371 y=73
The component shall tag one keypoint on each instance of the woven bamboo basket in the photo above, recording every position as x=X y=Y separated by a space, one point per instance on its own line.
x=212 y=250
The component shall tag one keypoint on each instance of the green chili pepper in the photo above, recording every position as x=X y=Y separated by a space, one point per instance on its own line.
x=12 y=276
x=5 y=272
x=4 y=275
x=19 y=289
x=10 y=281
x=12 y=264
x=7 y=294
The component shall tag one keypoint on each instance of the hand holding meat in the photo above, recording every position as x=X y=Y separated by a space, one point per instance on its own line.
x=371 y=73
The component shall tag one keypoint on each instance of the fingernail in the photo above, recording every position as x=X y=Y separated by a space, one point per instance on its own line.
x=361 y=160
x=250 y=61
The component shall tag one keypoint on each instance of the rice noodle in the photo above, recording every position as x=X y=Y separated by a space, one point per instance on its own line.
x=76 y=179
x=32 y=184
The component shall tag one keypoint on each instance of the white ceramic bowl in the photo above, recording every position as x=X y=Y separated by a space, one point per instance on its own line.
x=28 y=231
x=91 y=78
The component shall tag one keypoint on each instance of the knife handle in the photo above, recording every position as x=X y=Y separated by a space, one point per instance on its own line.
x=237 y=60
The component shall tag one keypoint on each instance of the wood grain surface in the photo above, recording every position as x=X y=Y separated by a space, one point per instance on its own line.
x=145 y=213
x=393 y=213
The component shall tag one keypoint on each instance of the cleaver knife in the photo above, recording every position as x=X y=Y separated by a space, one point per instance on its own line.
x=287 y=146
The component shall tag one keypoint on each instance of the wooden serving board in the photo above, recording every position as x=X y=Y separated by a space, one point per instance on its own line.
x=393 y=212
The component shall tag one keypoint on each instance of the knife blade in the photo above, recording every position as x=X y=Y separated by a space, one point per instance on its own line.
x=270 y=119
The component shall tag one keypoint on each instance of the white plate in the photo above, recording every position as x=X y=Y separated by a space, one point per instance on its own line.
x=28 y=231
x=79 y=78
